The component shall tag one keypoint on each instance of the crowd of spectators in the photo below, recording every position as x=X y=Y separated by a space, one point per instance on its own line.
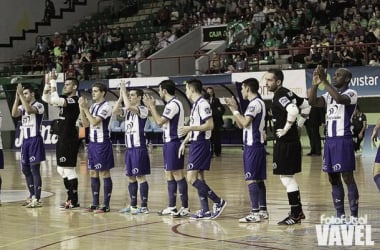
x=310 y=32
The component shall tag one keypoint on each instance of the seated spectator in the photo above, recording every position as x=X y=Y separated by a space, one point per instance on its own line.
x=215 y=20
x=215 y=64
x=315 y=55
x=117 y=39
x=240 y=64
x=248 y=42
x=115 y=70
x=270 y=45
x=301 y=48
x=258 y=18
x=232 y=38
x=71 y=72
x=162 y=17
x=85 y=61
x=167 y=38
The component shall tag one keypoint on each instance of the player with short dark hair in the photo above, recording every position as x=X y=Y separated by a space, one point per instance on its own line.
x=171 y=120
x=32 y=148
x=339 y=151
x=67 y=146
x=287 y=151
x=199 y=133
x=137 y=162
x=100 y=152
x=254 y=156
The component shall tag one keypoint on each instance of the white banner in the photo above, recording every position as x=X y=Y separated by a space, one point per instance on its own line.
x=136 y=82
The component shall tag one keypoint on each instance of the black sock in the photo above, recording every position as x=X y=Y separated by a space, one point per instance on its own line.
x=294 y=202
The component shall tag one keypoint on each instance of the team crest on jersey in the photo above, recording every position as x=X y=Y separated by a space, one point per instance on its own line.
x=251 y=109
x=207 y=110
x=104 y=112
x=284 y=101
x=167 y=111
x=39 y=106
x=70 y=100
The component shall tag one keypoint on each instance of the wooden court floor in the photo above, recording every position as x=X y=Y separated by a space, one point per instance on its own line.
x=49 y=227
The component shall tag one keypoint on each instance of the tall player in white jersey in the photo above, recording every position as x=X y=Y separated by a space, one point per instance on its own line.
x=137 y=162
x=32 y=148
x=171 y=120
x=255 y=170
x=199 y=133
x=100 y=154
x=339 y=152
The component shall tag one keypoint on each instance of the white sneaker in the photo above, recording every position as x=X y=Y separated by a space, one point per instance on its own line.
x=183 y=212
x=168 y=211
x=250 y=218
x=264 y=215
x=34 y=203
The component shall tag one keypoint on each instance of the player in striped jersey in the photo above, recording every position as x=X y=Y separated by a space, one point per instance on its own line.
x=1 y=154
x=339 y=154
x=32 y=148
x=199 y=133
x=137 y=162
x=376 y=166
x=171 y=120
x=100 y=153
x=254 y=156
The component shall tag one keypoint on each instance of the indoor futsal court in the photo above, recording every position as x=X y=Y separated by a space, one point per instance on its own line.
x=50 y=227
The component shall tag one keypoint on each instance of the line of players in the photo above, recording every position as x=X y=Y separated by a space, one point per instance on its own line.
x=289 y=113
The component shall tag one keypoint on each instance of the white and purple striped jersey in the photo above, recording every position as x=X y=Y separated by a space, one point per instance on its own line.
x=253 y=134
x=31 y=123
x=339 y=116
x=134 y=127
x=99 y=133
x=174 y=113
x=200 y=112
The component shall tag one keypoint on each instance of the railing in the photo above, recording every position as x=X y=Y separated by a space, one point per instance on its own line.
x=254 y=62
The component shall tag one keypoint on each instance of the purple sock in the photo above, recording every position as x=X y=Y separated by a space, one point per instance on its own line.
x=182 y=189
x=253 y=189
x=353 y=199
x=132 y=188
x=376 y=178
x=95 y=188
x=29 y=179
x=107 y=188
x=172 y=192
x=144 y=189
x=338 y=199
x=262 y=195
x=209 y=193
x=37 y=180
x=202 y=194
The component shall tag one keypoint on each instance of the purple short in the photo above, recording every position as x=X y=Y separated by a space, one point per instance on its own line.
x=100 y=156
x=377 y=159
x=339 y=155
x=199 y=155
x=32 y=151
x=137 y=161
x=171 y=160
x=255 y=163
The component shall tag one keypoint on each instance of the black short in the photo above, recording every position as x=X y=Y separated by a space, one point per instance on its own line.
x=287 y=158
x=67 y=152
